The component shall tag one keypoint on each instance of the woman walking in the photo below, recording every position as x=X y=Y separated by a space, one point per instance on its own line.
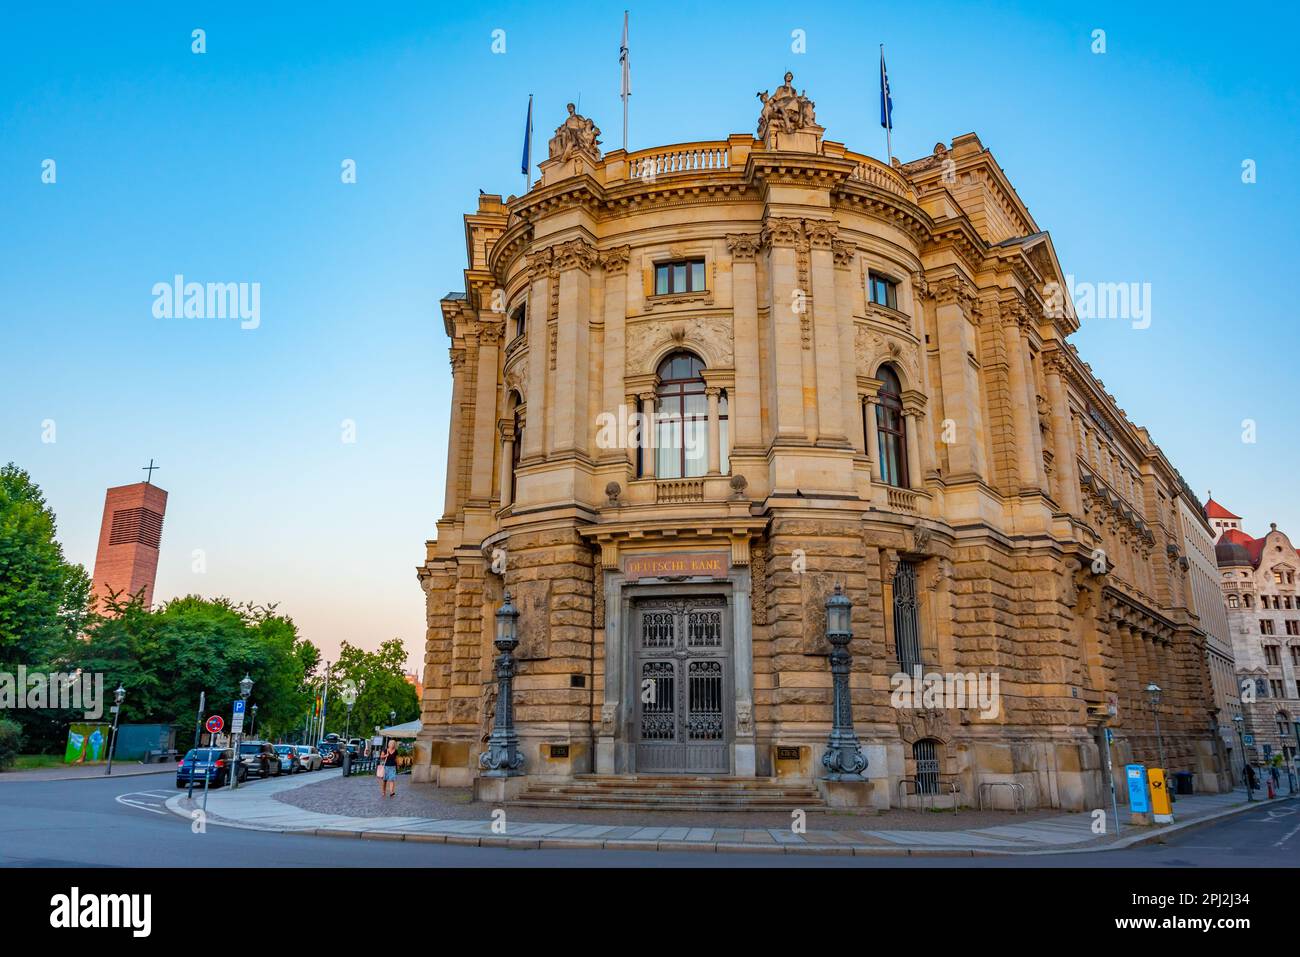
x=389 y=759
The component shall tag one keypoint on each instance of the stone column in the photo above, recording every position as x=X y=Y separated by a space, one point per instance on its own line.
x=539 y=298
x=845 y=255
x=648 y=433
x=873 y=438
x=449 y=499
x=615 y=263
x=574 y=260
x=715 y=432
x=785 y=358
x=826 y=342
x=954 y=310
x=1065 y=459
x=615 y=666
x=745 y=757
x=507 y=461
x=1023 y=410
x=746 y=423
x=485 y=410
x=912 y=432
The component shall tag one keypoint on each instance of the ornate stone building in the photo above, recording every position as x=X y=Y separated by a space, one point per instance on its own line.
x=1259 y=582
x=854 y=375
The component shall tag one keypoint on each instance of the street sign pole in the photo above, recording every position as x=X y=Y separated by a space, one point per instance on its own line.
x=1110 y=773
x=198 y=731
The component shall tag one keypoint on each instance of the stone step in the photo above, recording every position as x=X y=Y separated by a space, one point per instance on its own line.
x=670 y=792
x=694 y=806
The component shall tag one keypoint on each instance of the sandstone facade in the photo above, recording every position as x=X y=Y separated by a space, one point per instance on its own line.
x=887 y=402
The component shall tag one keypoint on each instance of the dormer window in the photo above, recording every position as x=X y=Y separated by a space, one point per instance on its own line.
x=679 y=276
x=884 y=291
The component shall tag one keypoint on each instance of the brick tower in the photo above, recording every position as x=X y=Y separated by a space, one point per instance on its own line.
x=127 y=559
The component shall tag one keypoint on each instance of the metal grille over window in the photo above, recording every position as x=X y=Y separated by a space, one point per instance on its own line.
x=704 y=717
x=136 y=526
x=658 y=721
x=704 y=629
x=907 y=631
x=927 y=767
x=656 y=629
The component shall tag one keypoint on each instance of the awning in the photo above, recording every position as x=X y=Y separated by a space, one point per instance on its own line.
x=402 y=731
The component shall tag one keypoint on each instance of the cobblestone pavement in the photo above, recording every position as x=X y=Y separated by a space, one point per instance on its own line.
x=359 y=796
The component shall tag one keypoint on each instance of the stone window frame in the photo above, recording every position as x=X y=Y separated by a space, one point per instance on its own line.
x=906 y=301
x=653 y=256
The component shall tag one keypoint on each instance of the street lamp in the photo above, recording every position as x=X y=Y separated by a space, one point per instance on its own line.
x=1153 y=693
x=118 y=695
x=349 y=696
x=252 y=727
x=245 y=689
x=843 y=757
x=503 y=758
x=1239 y=721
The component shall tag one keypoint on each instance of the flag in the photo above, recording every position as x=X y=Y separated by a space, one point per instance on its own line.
x=886 y=100
x=625 y=62
x=528 y=138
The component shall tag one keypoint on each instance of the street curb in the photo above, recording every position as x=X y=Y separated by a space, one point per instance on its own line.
x=9 y=776
x=725 y=847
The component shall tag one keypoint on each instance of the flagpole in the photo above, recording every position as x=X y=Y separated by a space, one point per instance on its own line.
x=528 y=172
x=889 y=113
x=623 y=53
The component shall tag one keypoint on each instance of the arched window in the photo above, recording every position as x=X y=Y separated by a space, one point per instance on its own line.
x=891 y=430
x=681 y=418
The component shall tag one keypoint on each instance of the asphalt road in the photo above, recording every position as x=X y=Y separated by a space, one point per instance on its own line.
x=106 y=822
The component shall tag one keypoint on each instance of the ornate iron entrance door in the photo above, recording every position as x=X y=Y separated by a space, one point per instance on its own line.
x=684 y=690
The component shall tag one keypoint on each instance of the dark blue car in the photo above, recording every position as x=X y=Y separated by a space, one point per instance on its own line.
x=213 y=764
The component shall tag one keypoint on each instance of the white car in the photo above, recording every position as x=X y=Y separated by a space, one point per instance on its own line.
x=309 y=758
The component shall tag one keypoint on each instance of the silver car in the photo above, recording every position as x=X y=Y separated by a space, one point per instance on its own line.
x=309 y=759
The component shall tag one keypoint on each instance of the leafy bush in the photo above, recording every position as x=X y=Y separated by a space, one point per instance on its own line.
x=11 y=740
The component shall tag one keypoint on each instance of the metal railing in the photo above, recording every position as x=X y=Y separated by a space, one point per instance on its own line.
x=1018 y=802
x=945 y=787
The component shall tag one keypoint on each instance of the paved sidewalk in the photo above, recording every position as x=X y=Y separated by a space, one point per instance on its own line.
x=77 y=772
x=256 y=807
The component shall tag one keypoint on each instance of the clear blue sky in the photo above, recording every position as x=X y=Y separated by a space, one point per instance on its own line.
x=225 y=167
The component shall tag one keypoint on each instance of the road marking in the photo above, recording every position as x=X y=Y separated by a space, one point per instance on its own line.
x=1290 y=834
x=132 y=799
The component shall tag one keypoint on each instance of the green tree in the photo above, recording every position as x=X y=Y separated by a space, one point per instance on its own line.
x=380 y=679
x=166 y=656
x=44 y=599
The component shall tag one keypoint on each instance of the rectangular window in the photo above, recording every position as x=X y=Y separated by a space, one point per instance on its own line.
x=1295 y=654
x=685 y=275
x=884 y=291
x=1292 y=626
x=1266 y=626
x=1276 y=688
x=521 y=320
x=1271 y=655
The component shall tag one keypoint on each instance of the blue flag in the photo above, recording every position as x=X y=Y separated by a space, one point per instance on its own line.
x=886 y=101
x=528 y=139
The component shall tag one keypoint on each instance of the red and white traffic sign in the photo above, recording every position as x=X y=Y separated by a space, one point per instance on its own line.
x=214 y=724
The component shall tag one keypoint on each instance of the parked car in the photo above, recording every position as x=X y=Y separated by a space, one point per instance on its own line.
x=308 y=756
x=259 y=757
x=211 y=763
x=331 y=755
x=289 y=763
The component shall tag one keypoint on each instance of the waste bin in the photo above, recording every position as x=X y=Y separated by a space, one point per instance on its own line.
x=1183 y=782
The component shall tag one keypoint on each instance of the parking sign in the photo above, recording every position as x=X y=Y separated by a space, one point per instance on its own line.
x=237 y=721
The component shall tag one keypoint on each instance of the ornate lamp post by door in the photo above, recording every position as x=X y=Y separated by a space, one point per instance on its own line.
x=502 y=758
x=118 y=696
x=843 y=757
x=1153 y=694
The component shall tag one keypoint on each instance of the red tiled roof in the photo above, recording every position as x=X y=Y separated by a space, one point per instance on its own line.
x=1254 y=548
x=1237 y=537
x=1214 y=510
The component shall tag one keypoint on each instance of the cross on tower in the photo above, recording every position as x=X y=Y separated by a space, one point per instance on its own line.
x=150 y=468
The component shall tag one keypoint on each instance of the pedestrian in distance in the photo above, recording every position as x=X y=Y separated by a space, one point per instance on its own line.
x=390 y=769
